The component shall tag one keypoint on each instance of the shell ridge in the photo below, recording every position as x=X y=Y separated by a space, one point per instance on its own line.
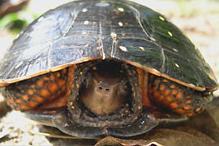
x=163 y=60
x=151 y=39
x=100 y=40
x=74 y=15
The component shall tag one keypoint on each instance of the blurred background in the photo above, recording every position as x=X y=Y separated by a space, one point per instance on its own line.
x=198 y=19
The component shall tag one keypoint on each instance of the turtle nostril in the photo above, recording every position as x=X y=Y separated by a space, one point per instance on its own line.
x=100 y=88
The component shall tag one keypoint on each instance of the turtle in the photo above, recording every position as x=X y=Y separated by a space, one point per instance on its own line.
x=93 y=68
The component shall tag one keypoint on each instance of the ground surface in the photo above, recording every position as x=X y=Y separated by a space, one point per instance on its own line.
x=198 y=19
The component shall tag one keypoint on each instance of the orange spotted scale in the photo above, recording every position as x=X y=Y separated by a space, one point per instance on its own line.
x=175 y=97
x=44 y=92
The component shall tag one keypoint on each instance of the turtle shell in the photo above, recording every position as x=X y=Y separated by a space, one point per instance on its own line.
x=81 y=31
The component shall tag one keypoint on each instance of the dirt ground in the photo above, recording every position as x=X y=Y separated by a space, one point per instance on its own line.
x=198 y=19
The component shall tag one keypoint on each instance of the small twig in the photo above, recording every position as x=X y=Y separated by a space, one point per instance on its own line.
x=60 y=136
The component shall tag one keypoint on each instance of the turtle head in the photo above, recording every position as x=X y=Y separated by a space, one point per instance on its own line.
x=105 y=91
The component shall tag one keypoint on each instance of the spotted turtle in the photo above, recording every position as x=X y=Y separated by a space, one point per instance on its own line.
x=102 y=67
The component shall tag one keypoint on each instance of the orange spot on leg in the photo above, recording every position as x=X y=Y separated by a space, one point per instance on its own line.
x=166 y=92
x=30 y=92
x=38 y=99
x=32 y=104
x=162 y=87
x=173 y=105
x=61 y=83
x=179 y=95
x=174 y=92
x=172 y=86
x=40 y=83
x=169 y=99
x=187 y=107
x=45 y=93
x=18 y=101
x=180 y=111
x=25 y=97
x=53 y=87
x=23 y=107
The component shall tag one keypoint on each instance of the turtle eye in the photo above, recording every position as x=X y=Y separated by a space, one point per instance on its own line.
x=42 y=92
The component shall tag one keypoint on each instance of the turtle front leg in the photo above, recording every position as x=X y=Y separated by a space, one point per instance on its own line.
x=49 y=91
x=177 y=98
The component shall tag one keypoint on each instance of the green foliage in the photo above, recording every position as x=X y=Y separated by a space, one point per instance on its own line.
x=15 y=22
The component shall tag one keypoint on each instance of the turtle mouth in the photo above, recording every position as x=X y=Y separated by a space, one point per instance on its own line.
x=88 y=112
